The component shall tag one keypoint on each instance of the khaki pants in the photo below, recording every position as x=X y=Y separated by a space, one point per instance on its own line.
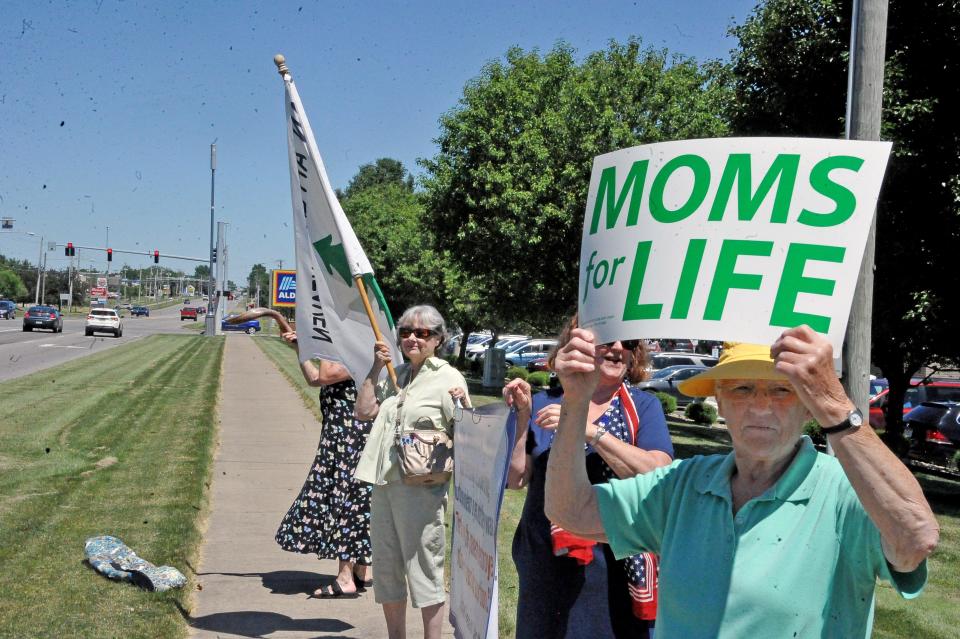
x=409 y=541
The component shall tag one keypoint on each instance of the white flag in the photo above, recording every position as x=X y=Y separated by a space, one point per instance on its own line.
x=331 y=321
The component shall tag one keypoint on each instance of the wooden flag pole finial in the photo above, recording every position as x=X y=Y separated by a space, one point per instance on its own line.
x=281 y=63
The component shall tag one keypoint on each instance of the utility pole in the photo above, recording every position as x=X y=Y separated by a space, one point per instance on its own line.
x=108 y=248
x=868 y=35
x=36 y=294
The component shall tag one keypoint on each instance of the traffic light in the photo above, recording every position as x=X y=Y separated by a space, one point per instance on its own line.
x=214 y=255
x=156 y=257
x=109 y=254
x=69 y=251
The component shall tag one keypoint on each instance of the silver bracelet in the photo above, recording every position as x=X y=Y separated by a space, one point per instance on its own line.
x=601 y=431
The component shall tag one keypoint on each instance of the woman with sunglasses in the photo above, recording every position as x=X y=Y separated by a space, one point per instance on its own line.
x=569 y=586
x=407 y=521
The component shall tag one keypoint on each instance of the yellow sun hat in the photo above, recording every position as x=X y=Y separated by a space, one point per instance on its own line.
x=738 y=361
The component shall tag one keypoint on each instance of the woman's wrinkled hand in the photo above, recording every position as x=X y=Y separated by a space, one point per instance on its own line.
x=548 y=417
x=517 y=395
x=459 y=394
x=381 y=355
x=806 y=358
x=289 y=337
x=578 y=365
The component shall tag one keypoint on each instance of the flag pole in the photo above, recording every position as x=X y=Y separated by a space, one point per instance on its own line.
x=373 y=323
x=284 y=71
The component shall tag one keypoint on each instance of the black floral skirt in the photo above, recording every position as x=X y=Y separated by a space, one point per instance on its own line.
x=331 y=515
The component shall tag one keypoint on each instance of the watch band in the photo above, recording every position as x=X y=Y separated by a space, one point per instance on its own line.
x=854 y=420
x=601 y=431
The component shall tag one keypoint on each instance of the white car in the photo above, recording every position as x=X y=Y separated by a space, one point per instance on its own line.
x=103 y=320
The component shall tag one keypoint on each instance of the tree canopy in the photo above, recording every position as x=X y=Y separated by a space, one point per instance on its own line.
x=790 y=78
x=507 y=190
x=382 y=172
x=11 y=286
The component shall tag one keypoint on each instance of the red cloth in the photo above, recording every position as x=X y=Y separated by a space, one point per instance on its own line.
x=569 y=545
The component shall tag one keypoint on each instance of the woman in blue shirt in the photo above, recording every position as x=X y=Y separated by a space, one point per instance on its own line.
x=570 y=587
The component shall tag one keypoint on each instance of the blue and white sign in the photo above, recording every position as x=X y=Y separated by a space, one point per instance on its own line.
x=284 y=289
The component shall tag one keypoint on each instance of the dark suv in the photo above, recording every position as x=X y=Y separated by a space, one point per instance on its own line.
x=8 y=310
x=933 y=430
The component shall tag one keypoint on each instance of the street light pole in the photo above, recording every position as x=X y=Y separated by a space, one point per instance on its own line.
x=108 y=248
x=36 y=294
x=213 y=174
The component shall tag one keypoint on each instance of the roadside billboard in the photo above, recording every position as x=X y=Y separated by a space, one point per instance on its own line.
x=727 y=239
x=283 y=288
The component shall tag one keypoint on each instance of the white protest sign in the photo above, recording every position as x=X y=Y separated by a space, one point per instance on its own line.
x=481 y=443
x=734 y=239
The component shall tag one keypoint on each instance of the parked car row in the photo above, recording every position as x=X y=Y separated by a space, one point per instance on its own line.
x=920 y=391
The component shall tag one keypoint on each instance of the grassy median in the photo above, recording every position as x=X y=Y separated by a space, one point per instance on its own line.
x=116 y=443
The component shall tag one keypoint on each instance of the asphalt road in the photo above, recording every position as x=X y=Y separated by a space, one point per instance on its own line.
x=24 y=353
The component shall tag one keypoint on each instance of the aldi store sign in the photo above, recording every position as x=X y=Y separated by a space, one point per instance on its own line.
x=284 y=288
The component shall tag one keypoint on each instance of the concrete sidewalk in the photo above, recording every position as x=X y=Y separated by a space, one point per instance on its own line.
x=250 y=587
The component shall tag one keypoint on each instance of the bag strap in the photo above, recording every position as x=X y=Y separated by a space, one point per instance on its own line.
x=398 y=421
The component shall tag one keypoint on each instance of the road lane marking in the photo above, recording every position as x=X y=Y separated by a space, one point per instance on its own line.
x=60 y=346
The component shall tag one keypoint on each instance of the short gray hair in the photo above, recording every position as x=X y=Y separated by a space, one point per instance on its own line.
x=428 y=317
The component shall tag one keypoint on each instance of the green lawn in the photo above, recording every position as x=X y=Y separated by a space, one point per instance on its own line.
x=117 y=443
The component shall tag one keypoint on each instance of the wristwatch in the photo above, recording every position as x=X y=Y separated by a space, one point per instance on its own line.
x=853 y=421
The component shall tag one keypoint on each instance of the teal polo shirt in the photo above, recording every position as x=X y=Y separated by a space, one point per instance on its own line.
x=800 y=560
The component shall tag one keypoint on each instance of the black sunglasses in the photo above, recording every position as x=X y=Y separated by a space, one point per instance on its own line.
x=628 y=344
x=421 y=333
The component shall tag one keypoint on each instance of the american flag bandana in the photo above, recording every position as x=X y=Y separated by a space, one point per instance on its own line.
x=642 y=570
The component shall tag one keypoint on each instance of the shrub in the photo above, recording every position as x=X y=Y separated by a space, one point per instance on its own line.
x=517 y=371
x=701 y=413
x=811 y=428
x=538 y=378
x=667 y=402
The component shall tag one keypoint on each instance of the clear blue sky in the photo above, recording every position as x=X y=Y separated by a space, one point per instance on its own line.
x=108 y=107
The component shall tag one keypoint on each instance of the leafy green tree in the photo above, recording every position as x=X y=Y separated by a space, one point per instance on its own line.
x=790 y=78
x=506 y=192
x=389 y=220
x=382 y=172
x=11 y=286
x=259 y=276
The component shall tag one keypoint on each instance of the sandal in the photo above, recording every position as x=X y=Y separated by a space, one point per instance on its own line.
x=334 y=592
x=361 y=584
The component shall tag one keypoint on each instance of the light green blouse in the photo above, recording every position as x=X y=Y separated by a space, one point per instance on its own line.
x=427 y=406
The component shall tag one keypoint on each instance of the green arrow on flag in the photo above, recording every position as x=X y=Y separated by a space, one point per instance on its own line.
x=334 y=258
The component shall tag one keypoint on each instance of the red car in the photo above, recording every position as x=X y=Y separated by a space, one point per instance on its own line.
x=934 y=390
x=188 y=312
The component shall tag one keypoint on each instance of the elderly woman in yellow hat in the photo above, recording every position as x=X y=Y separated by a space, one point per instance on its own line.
x=774 y=539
